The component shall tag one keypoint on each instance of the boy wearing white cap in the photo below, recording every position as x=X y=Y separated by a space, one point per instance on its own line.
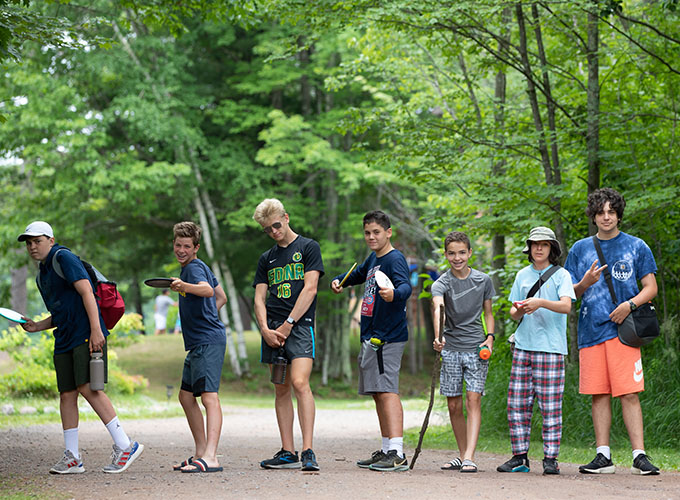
x=79 y=330
x=541 y=295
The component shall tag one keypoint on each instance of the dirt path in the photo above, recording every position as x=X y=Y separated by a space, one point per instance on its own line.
x=249 y=435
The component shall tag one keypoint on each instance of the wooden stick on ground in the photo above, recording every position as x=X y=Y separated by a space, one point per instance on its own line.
x=435 y=375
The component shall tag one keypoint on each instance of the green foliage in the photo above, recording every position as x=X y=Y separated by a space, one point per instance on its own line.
x=34 y=375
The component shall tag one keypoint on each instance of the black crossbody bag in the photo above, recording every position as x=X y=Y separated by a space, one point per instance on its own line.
x=641 y=326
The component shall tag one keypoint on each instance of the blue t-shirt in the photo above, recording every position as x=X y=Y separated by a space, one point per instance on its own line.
x=200 y=323
x=543 y=330
x=380 y=319
x=69 y=317
x=629 y=259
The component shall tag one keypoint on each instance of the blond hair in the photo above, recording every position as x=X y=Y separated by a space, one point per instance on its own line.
x=187 y=229
x=267 y=209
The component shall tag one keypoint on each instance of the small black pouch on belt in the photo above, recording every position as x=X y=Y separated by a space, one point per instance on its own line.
x=381 y=364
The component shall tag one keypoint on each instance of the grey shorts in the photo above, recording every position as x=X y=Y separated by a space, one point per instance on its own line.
x=371 y=381
x=203 y=369
x=460 y=366
x=73 y=367
x=299 y=344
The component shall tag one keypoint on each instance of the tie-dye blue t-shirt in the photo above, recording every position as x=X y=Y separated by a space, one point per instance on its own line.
x=629 y=259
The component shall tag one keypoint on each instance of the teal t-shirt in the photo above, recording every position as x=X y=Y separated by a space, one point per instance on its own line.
x=543 y=330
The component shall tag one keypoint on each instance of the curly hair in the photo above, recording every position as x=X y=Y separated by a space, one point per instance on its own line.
x=187 y=229
x=598 y=198
x=456 y=236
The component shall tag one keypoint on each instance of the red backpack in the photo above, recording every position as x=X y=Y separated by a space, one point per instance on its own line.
x=111 y=304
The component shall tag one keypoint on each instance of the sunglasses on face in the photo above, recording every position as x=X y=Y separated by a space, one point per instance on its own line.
x=269 y=229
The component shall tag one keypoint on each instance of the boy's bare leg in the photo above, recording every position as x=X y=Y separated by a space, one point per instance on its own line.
x=632 y=417
x=602 y=418
x=390 y=414
x=195 y=420
x=100 y=403
x=300 y=371
x=458 y=424
x=283 y=405
x=213 y=414
x=473 y=402
x=68 y=409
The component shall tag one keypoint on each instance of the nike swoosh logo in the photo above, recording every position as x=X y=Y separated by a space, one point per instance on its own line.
x=637 y=376
x=456 y=296
x=272 y=261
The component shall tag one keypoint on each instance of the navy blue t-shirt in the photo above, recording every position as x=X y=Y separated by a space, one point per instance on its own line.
x=384 y=320
x=200 y=323
x=69 y=317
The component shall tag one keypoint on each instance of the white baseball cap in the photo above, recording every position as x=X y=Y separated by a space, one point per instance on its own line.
x=37 y=228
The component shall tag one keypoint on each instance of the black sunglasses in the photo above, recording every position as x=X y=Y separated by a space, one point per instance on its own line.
x=269 y=229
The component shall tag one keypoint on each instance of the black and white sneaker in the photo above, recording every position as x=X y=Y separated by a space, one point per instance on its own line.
x=375 y=458
x=391 y=462
x=308 y=460
x=550 y=466
x=518 y=463
x=599 y=465
x=282 y=460
x=642 y=466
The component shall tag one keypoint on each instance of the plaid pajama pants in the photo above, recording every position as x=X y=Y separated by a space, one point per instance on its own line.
x=540 y=375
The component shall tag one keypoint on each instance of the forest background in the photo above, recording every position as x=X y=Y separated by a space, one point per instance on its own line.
x=119 y=118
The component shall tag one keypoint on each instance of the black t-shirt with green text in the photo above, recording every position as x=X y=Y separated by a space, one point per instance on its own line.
x=283 y=270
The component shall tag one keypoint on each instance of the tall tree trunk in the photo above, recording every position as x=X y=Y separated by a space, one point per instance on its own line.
x=593 y=105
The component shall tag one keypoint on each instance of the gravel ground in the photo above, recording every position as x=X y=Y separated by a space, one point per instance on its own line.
x=249 y=435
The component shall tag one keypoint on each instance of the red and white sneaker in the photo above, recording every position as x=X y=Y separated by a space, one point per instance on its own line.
x=122 y=459
x=68 y=464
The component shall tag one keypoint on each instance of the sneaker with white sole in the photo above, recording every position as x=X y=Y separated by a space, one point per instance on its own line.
x=122 y=459
x=283 y=459
x=642 y=466
x=68 y=464
x=599 y=465
x=518 y=463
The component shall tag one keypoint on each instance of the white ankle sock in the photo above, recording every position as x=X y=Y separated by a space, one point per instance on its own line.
x=605 y=450
x=397 y=444
x=385 y=444
x=118 y=434
x=71 y=441
x=637 y=452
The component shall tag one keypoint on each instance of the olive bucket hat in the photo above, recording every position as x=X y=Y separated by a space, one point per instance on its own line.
x=542 y=233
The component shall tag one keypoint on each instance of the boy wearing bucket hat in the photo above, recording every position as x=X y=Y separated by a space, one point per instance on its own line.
x=78 y=330
x=540 y=347
x=607 y=367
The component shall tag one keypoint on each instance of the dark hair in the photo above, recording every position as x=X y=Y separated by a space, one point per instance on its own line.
x=187 y=229
x=554 y=256
x=379 y=217
x=598 y=198
x=456 y=236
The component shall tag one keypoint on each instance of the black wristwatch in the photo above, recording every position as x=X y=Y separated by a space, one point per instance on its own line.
x=632 y=305
x=491 y=335
x=290 y=321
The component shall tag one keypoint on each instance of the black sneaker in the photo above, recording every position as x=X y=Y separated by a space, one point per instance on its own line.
x=376 y=457
x=599 y=465
x=518 y=463
x=308 y=460
x=550 y=466
x=282 y=460
x=642 y=465
x=391 y=462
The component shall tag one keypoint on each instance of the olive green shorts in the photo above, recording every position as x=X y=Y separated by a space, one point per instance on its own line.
x=73 y=367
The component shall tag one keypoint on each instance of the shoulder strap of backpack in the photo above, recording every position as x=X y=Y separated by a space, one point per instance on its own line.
x=56 y=266
x=543 y=279
x=607 y=273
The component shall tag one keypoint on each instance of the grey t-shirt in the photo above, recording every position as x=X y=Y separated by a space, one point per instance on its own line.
x=463 y=302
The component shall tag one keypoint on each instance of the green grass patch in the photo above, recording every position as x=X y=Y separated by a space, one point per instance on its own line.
x=14 y=487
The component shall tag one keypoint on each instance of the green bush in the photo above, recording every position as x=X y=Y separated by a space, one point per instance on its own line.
x=32 y=354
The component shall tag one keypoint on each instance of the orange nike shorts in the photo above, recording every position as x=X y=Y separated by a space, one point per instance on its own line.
x=611 y=368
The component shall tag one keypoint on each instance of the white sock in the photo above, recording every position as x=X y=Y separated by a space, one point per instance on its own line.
x=385 y=444
x=118 y=434
x=397 y=444
x=71 y=441
x=605 y=450
x=638 y=452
